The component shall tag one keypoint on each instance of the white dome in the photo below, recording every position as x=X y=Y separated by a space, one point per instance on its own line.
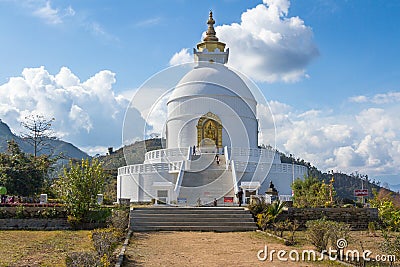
x=214 y=89
x=212 y=79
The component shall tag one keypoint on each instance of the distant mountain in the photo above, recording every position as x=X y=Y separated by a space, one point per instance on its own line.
x=395 y=187
x=58 y=147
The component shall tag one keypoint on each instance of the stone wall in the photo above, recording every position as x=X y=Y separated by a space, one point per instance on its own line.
x=34 y=224
x=357 y=218
x=45 y=224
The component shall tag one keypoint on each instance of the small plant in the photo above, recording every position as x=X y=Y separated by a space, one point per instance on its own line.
x=268 y=216
x=321 y=232
x=292 y=227
x=119 y=219
x=87 y=258
x=280 y=227
x=105 y=241
x=372 y=228
x=257 y=207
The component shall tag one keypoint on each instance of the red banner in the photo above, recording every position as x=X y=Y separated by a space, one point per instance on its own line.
x=361 y=192
x=228 y=199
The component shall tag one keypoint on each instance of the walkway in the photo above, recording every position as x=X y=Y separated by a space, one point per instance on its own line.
x=203 y=249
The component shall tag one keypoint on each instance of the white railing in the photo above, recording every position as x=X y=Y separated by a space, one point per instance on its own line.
x=175 y=166
x=285 y=197
x=143 y=168
x=168 y=152
x=287 y=168
x=252 y=154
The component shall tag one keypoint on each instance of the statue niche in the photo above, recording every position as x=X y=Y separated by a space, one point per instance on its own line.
x=209 y=131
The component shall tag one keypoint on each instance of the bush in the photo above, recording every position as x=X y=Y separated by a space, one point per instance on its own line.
x=105 y=242
x=87 y=259
x=269 y=214
x=119 y=218
x=321 y=232
x=98 y=215
x=257 y=207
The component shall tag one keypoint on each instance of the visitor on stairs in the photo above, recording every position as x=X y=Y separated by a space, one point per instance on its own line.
x=239 y=195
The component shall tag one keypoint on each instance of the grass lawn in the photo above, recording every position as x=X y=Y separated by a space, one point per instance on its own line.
x=41 y=248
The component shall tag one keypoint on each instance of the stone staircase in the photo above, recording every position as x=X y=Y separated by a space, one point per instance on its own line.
x=206 y=180
x=218 y=219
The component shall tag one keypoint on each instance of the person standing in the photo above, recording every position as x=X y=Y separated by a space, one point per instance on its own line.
x=240 y=196
x=194 y=150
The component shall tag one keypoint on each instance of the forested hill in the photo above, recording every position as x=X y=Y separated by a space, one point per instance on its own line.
x=135 y=152
x=345 y=184
x=58 y=147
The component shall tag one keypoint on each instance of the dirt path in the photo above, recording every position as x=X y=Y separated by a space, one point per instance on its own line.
x=204 y=249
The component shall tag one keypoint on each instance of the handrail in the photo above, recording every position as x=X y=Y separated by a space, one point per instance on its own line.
x=234 y=177
x=227 y=159
x=179 y=179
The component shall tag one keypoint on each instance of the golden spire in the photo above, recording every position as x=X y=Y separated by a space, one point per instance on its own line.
x=210 y=34
x=211 y=49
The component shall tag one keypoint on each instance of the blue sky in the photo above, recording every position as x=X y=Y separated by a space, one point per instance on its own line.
x=330 y=69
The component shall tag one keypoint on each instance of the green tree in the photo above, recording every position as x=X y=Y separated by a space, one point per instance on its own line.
x=79 y=186
x=388 y=213
x=311 y=193
x=21 y=173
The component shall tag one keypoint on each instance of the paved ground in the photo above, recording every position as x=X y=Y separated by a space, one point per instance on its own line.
x=204 y=249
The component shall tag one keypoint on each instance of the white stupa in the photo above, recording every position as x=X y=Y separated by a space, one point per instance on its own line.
x=212 y=141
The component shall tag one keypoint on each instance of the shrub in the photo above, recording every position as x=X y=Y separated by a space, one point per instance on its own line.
x=105 y=241
x=372 y=228
x=320 y=232
x=79 y=186
x=292 y=227
x=98 y=215
x=256 y=206
x=119 y=218
x=87 y=258
x=269 y=214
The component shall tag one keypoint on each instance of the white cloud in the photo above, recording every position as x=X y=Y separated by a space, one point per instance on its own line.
x=49 y=14
x=45 y=11
x=181 y=57
x=358 y=99
x=267 y=44
x=87 y=113
x=96 y=29
x=149 y=22
x=386 y=98
x=365 y=140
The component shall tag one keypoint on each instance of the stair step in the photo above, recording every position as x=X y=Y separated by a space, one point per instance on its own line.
x=195 y=228
x=200 y=213
x=192 y=218
x=209 y=224
x=222 y=219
